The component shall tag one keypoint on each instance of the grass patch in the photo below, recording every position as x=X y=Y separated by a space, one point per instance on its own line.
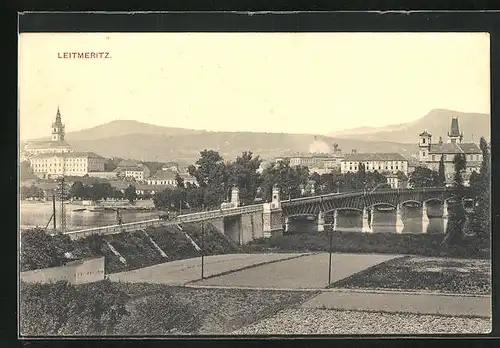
x=381 y=243
x=116 y=308
x=216 y=311
x=428 y=274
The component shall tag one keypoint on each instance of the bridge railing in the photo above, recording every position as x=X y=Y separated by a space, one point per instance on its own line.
x=113 y=229
x=363 y=192
x=213 y=214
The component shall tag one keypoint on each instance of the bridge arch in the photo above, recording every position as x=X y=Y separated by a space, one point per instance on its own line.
x=434 y=200
x=344 y=209
x=383 y=205
x=307 y=216
x=411 y=203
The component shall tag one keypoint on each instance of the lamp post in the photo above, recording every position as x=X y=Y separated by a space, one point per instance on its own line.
x=330 y=260
x=203 y=248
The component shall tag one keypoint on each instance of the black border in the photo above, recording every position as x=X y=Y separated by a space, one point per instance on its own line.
x=413 y=21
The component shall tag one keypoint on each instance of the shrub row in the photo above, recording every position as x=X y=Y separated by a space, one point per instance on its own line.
x=214 y=243
x=173 y=242
x=384 y=243
x=100 y=308
x=136 y=248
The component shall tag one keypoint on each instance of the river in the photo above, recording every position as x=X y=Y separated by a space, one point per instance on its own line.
x=38 y=214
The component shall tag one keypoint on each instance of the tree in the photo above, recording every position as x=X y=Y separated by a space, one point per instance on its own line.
x=316 y=178
x=374 y=180
x=481 y=220
x=457 y=216
x=78 y=190
x=179 y=180
x=423 y=177
x=460 y=164
x=31 y=192
x=244 y=174
x=441 y=176
x=130 y=193
x=288 y=179
x=211 y=175
x=361 y=174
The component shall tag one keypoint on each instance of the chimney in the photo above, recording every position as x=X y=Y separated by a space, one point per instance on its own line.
x=440 y=140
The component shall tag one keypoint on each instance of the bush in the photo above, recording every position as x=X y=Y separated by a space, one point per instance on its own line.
x=213 y=241
x=354 y=242
x=64 y=309
x=40 y=250
x=160 y=314
x=173 y=242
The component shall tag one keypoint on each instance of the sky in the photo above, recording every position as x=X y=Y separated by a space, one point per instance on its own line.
x=313 y=83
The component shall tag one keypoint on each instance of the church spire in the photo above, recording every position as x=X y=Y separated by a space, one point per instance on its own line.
x=58 y=127
x=454 y=133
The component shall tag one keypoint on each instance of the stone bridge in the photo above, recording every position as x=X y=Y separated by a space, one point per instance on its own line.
x=244 y=223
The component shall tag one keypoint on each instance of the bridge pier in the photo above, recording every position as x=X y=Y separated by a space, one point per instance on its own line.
x=321 y=222
x=335 y=220
x=425 y=217
x=367 y=216
x=399 y=219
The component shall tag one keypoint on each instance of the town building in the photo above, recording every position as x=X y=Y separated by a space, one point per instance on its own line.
x=430 y=153
x=323 y=163
x=170 y=166
x=138 y=173
x=49 y=165
x=49 y=159
x=380 y=162
x=167 y=178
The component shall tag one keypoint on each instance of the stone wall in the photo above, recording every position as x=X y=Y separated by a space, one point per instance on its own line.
x=75 y=272
x=251 y=227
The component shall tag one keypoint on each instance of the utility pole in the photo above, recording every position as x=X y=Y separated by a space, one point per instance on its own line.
x=63 y=208
x=202 y=250
x=330 y=260
x=54 y=211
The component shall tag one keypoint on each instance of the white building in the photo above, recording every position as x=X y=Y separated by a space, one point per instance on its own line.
x=167 y=178
x=71 y=164
x=380 y=162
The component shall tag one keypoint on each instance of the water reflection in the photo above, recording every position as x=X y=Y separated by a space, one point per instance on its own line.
x=403 y=219
x=38 y=214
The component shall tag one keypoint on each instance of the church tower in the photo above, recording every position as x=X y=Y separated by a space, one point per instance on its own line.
x=424 y=146
x=454 y=134
x=58 y=128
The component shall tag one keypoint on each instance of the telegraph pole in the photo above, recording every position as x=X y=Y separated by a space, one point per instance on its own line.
x=202 y=249
x=330 y=260
x=54 y=211
x=63 y=209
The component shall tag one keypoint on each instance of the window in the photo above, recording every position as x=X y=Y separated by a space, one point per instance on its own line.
x=433 y=157
x=423 y=140
x=444 y=158
x=423 y=153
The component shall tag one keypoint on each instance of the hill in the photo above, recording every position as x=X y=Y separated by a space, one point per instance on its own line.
x=437 y=122
x=186 y=147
